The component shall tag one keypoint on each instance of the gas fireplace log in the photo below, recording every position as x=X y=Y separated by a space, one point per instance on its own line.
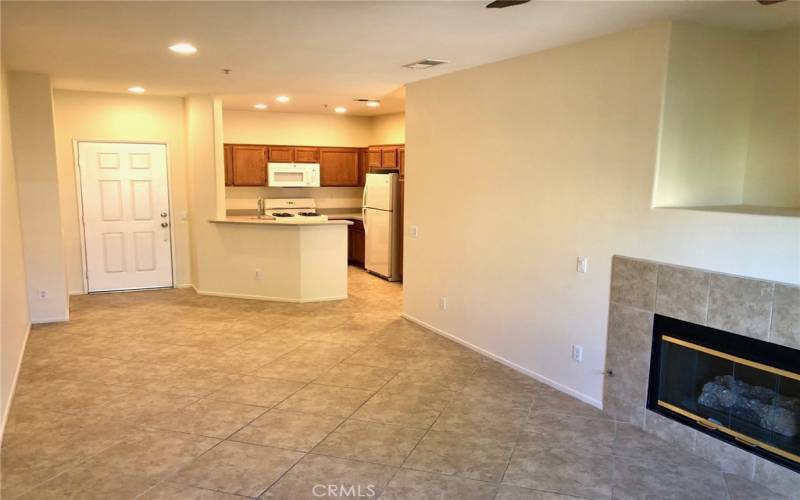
x=759 y=405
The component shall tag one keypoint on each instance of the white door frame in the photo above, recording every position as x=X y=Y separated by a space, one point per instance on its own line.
x=77 y=167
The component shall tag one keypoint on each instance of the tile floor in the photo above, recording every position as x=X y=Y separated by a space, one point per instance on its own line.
x=171 y=395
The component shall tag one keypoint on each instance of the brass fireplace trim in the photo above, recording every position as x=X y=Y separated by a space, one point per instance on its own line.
x=729 y=357
x=742 y=438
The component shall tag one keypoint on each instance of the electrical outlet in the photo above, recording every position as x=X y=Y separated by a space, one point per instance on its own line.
x=413 y=231
x=582 y=265
x=443 y=303
x=258 y=274
x=577 y=353
x=42 y=294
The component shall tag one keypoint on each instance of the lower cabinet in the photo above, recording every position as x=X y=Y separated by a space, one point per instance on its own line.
x=356 y=239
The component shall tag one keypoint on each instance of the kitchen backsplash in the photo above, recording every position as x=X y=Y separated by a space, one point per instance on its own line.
x=244 y=198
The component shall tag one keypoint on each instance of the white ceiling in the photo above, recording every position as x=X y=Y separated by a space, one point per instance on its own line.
x=316 y=52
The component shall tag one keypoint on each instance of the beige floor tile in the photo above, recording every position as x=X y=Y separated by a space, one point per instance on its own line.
x=416 y=409
x=317 y=476
x=257 y=391
x=91 y=483
x=469 y=417
x=370 y=442
x=508 y=492
x=295 y=369
x=558 y=470
x=174 y=491
x=566 y=431
x=356 y=376
x=152 y=454
x=461 y=455
x=288 y=429
x=238 y=468
x=218 y=419
x=417 y=485
x=326 y=400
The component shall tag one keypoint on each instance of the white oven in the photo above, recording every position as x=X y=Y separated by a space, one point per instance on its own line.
x=293 y=174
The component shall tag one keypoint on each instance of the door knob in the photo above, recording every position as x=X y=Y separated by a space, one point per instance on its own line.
x=164 y=224
x=163 y=214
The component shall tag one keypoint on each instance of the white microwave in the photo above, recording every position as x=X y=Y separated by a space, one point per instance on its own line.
x=293 y=174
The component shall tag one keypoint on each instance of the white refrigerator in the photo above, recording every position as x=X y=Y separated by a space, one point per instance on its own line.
x=381 y=211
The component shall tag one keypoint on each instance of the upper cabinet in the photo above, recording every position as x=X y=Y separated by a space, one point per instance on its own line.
x=245 y=165
x=281 y=154
x=293 y=154
x=384 y=156
x=374 y=157
x=306 y=155
x=339 y=167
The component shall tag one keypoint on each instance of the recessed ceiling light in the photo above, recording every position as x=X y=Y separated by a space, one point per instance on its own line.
x=260 y=106
x=340 y=109
x=183 y=48
x=425 y=63
x=373 y=103
x=137 y=90
x=282 y=98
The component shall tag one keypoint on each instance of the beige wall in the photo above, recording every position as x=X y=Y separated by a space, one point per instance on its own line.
x=32 y=133
x=268 y=127
x=731 y=120
x=570 y=138
x=772 y=175
x=95 y=116
x=706 y=122
x=389 y=129
x=14 y=320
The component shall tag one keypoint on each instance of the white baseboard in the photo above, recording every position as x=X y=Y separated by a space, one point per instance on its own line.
x=77 y=292
x=54 y=319
x=185 y=285
x=7 y=408
x=266 y=298
x=541 y=378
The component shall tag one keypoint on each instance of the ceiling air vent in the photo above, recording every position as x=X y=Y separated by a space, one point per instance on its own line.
x=425 y=64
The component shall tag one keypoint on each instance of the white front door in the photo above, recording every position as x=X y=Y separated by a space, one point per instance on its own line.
x=126 y=222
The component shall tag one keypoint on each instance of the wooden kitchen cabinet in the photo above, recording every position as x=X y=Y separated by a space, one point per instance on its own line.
x=228 y=164
x=281 y=154
x=389 y=157
x=339 y=166
x=247 y=166
x=374 y=157
x=306 y=155
x=356 y=240
x=401 y=161
x=385 y=156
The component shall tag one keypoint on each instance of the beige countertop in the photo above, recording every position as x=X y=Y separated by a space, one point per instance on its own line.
x=346 y=215
x=273 y=221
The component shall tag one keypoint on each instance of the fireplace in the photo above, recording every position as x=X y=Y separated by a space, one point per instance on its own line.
x=738 y=389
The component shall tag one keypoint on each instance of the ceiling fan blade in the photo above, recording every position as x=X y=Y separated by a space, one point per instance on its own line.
x=502 y=4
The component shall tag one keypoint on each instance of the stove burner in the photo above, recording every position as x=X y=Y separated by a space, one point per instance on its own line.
x=308 y=214
x=282 y=214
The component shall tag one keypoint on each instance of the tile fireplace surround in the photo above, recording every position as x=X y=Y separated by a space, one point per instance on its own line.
x=759 y=309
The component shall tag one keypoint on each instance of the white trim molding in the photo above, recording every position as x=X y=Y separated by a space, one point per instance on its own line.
x=7 y=409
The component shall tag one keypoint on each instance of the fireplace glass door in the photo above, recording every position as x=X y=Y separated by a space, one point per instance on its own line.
x=751 y=403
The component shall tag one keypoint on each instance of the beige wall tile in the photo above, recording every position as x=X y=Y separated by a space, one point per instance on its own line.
x=740 y=305
x=633 y=283
x=785 y=328
x=682 y=293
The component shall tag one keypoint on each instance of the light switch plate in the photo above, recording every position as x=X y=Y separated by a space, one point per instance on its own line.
x=413 y=231
x=582 y=264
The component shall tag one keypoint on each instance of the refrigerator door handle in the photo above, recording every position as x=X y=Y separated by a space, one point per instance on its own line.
x=364 y=219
